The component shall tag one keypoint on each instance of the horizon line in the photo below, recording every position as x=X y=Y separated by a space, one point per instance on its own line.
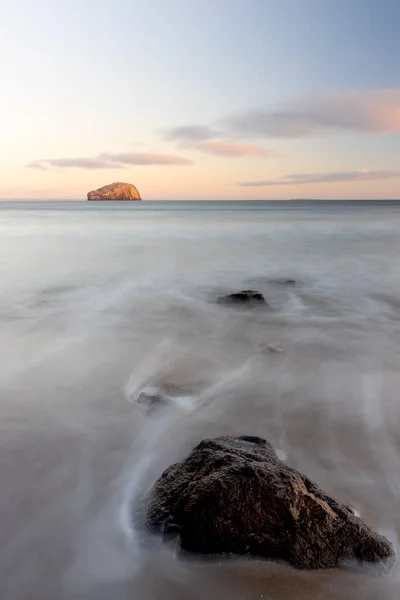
x=119 y=202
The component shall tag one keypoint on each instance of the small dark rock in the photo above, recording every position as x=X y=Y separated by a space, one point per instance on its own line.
x=286 y=281
x=271 y=349
x=232 y=495
x=152 y=403
x=244 y=297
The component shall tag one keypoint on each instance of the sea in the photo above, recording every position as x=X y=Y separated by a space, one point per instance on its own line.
x=100 y=302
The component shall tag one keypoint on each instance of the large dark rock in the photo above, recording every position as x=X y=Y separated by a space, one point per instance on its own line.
x=115 y=191
x=243 y=297
x=232 y=495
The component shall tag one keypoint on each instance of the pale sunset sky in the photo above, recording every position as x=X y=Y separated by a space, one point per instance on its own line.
x=200 y=99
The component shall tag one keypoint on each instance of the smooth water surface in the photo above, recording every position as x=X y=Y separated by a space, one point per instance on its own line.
x=98 y=301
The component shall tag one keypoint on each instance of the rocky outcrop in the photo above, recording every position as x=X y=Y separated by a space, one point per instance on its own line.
x=243 y=297
x=115 y=191
x=232 y=495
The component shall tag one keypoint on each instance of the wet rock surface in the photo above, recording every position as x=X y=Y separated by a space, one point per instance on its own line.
x=233 y=496
x=244 y=297
x=152 y=402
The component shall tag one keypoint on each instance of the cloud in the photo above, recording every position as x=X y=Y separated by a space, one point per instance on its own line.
x=333 y=177
x=37 y=164
x=199 y=137
x=110 y=161
x=233 y=149
x=375 y=112
x=189 y=134
x=67 y=163
x=364 y=111
x=144 y=158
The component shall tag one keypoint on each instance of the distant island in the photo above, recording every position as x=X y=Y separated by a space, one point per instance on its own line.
x=115 y=191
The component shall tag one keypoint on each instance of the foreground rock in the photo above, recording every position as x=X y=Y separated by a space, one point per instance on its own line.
x=234 y=496
x=115 y=191
x=244 y=297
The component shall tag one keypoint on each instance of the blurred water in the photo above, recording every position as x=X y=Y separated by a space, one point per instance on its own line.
x=100 y=301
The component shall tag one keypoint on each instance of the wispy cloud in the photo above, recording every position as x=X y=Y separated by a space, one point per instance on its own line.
x=189 y=134
x=110 y=161
x=144 y=158
x=364 y=111
x=203 y=139
x=233 y=149
x=68 y=163
x=333 y=177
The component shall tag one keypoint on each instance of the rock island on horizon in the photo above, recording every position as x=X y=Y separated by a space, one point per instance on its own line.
x=115 y=191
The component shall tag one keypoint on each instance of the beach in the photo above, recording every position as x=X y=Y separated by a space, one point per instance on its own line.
x=100 y=302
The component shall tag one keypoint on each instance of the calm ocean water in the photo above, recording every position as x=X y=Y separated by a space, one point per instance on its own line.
x=100 y=301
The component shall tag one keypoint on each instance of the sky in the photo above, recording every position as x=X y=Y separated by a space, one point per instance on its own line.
x=200 y=99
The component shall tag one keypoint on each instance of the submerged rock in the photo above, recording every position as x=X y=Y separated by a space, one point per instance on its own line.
x=286 y=281
x=115 y=191
x=232 y=495
x=243 y=297
x=271 y=349
x=157 y=400
x=151 y=403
